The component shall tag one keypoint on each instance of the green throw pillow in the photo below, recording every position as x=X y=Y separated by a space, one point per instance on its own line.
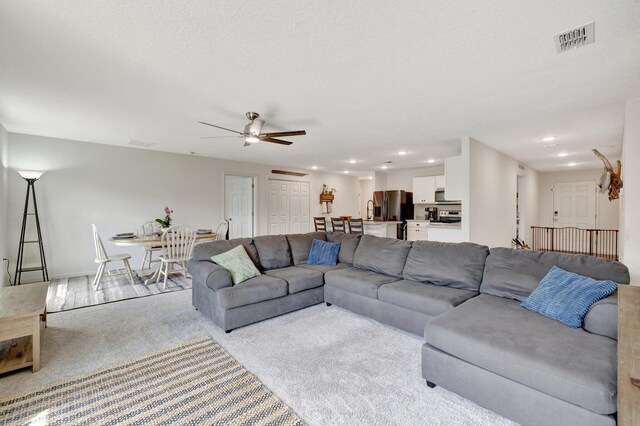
x=238 y=263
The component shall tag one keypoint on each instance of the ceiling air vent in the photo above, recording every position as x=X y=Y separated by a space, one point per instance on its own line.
x=140 y=144
x=576 y=37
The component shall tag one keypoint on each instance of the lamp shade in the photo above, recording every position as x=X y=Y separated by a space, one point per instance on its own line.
x=30 y=174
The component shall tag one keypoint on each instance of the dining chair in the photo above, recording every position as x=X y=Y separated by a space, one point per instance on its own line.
x=221 y=232
x=320 y=223
x=177 y=248
x=337 y=224
x=102 y=259
x=356 y=226
x=148 y=229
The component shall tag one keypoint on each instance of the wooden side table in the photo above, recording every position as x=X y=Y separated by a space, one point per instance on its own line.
x=23 y=316
x=628 y=355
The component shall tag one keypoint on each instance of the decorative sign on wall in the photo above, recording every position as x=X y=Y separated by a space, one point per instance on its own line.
x=610 y=179
x=326 y=198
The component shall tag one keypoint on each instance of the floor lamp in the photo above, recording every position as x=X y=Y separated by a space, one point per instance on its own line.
x=31 y=177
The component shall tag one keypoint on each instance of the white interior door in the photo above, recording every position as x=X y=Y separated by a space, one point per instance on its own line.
x=574 y=204
x=239 y=205
x=288 y=207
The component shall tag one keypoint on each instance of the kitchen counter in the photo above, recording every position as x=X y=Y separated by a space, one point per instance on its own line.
x=376 y=222
x=379 y=228
x=441 y=225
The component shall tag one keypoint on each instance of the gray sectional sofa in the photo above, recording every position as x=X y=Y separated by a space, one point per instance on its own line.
x=463 y=298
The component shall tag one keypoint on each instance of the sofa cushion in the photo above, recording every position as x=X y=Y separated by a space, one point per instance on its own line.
x=456 y=265
x=323 y=253
x=384 y=255
x=251 y=291
x=421 y=297
x=238 y=263
x=500 y=336
x=299 y=279
x=516 y=273
x=204 y=251
x=273 y=251
x=358 y=281
x=300 y=245
x=324 y=268
x=348 y=245
x=566 y=297
x=602 y=318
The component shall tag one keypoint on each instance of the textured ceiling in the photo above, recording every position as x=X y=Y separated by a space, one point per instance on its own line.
x=365 y=79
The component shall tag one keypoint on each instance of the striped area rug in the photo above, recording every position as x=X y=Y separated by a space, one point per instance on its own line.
x=77 y=292
x=195 y=383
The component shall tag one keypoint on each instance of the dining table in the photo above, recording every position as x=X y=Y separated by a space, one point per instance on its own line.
x=155 y=240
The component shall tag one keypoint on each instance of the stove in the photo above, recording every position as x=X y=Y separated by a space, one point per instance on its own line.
x=449 y=216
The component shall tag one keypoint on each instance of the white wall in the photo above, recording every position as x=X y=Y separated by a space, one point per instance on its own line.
x=529 y=197
x=119 y=188
x=366 y=194
x=629 y=224
x=4 y=241
x=403 y=179
x=493 y=179
x=379 y=181
x=607 y=211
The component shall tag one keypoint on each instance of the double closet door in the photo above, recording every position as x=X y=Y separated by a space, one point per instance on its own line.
x=288 y=207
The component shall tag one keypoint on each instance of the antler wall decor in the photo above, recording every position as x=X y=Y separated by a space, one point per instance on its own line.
x=610 y=179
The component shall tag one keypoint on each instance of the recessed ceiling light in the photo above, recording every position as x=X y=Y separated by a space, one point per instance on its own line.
x=562 y=154
x=402 y=152
x=314 y=167
x=346 y=172
x=431 y=160
x=384 y=166
x=572 y=164
x=548 y=139
x=369 y=177
x=352 y=161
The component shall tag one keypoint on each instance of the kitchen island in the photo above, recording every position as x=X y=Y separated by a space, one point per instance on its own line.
x=381 y=228
x=424 y=230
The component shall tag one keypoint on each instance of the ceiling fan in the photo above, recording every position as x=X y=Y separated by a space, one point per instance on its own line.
x=252 y=132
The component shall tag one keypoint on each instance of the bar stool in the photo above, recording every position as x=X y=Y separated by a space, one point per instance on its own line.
x=356 y=226
x=320 y=223
x=337 y=224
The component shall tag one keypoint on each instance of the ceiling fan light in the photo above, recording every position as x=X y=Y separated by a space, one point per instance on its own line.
x=252 y=139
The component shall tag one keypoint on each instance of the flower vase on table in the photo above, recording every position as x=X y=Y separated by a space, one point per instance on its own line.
x=166 y=222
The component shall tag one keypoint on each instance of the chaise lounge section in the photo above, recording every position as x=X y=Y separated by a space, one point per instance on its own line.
x=520 y=364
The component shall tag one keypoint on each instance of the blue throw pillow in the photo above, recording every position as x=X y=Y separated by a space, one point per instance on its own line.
x=323 y=253
x=566 y=297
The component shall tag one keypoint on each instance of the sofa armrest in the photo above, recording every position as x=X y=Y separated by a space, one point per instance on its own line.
x=208 y=273
x=602 y=317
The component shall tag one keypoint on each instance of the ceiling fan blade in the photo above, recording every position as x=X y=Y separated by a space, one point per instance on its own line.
x=221 y=137
x=218 y=127
x=278 y=134
x=281 y=142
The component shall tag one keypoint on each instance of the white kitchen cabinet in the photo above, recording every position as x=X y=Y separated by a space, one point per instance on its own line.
x=441 y=182
x=424 y=189
x=448 y=235
x=456 y=176
x=417 y=230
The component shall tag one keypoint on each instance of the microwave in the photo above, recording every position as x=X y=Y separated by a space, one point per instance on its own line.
x=441 y=199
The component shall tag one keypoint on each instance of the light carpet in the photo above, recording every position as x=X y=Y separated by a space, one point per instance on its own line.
x=197 y=382
x=331 y=366
x=78 y=292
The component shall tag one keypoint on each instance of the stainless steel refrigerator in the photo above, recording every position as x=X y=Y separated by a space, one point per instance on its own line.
x=393 y=206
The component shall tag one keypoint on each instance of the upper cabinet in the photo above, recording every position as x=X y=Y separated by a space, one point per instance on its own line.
x=455 y=174
x=441 y=182
x=424 y=189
